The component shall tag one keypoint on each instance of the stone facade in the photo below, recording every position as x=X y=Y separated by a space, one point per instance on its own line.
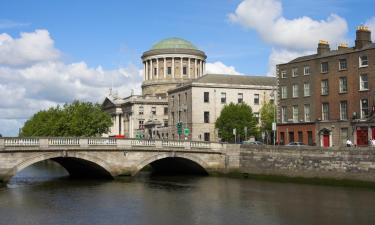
x=332 y=89
x=208 y=95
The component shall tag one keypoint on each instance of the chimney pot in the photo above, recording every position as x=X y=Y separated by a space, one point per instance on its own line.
x=363 y=37
x=323 y=47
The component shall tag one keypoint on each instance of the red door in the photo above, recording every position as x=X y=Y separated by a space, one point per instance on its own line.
x=362 y=136
x=326 y=140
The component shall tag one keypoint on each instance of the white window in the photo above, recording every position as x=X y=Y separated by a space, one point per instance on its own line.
x=363 y=61
x=141 y=124
x=324 y=86
x=364 y=108
x=343 y=85
x=256 y=99
x=240 y=97
x=283 y=74
x=343 y=65
x=343 y=110
x=153 y=110
x=325 y=111
x=363 y=82
x=295 y=72
x=306 y=70
x=306 y=89
x=295 y=90
x=295 y=113
x=223 y=97
x=283 y=114
x=141 y=110
x=284 y=92
x=307 y=112
x=324 y=67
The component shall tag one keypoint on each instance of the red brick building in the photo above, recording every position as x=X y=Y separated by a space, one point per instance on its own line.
x=328 y=97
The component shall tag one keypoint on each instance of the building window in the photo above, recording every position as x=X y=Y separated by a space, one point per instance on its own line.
x=343 y=65
x=363 y=82
x=284 y=92
x=283 y=114
x=184 y=70
x=223 y=97
x=165 y=110
x=295 y=113
x=141 y=124
x=307 y=112
x=295 y=72
x=306 y=70
x=141 y=110
x=155 y=71
x=363 y=61
x=206 y=117
x=206 y=97
x=169 y=70
x=256 y=116
x=153 y=110
x=206 y=136
x=306 y=89
x=240 y=97
x=364 y=108
x=283 y=74
x=324 y=86
x=295 y=91
x=343 y=110
x=256 y=99
x=325 y=111
x=172 y=100
x=343 y=85
x=324 y=67
x=165 y=123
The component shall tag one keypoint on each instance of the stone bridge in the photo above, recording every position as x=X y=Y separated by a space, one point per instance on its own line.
x=108 y=157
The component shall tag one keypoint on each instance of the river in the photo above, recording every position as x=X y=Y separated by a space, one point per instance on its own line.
x=42 y=194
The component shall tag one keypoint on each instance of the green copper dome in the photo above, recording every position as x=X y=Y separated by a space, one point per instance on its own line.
x=172 y=43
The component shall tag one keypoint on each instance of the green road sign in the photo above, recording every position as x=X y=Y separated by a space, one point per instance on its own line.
x=186 y=131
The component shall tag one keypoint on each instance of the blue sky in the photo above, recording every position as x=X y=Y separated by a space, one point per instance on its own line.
x=52 y=52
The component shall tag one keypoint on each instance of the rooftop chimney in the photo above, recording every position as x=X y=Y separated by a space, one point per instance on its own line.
x=323 y=47
x=342 y=46
x=363 y=37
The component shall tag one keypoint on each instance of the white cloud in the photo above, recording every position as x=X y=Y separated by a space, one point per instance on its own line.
x=371 y=24
x=33 y=81
x=289 y=37
x=220 y=68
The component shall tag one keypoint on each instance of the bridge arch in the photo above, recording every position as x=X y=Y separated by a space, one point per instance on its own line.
x=196 y=161
x=72 y=163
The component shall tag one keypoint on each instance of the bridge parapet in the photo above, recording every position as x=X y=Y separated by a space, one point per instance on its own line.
x=107 y=143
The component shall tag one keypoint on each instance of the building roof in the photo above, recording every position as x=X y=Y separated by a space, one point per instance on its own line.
x=237 y=80
x=173 y=43
x=330 y=53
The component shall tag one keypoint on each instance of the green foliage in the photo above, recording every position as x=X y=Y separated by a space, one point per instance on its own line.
x=79 y=119
x=267 y=115
x=236 y=116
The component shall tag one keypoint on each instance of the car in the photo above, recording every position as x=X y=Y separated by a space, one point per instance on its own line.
x=253 y=143
x=293 y=143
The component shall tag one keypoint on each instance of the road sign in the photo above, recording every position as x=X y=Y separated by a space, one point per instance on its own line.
x=186 y=131
x=274 y=126
x=234 y=131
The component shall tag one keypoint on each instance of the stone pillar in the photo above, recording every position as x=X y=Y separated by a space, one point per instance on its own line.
x=195 y=69
x=181 y=70
x=151 y=72
x=189 y=67
x=165 y=67
x=146 y=70
x=204 y=68
x=173 y=67
x=2 y=143
x=157 y=69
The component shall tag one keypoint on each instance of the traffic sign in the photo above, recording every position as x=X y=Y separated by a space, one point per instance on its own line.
x=186 y=131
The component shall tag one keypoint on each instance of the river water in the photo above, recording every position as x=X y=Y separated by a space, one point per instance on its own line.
x=41 y=194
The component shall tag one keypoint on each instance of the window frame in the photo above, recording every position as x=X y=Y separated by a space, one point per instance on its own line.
x=295 y=113
x=206 y=117
x=307 y=116
x=343 y=110
x=362 y=83
x=321 y=67
x=304 y=89
x=340 y=64
x=284 y=116
x=256 y=99
x=361 y=65
x=240 y=97
x=362 y=108
x=306 y=68
x=325 y=114
x=283 y=74
x=324 y=90
x=341 y=89
x=206 y=97
x=295 y=91
x=284 y=92
x=295 y=72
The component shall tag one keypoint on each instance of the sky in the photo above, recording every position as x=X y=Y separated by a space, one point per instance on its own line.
x=53 y=52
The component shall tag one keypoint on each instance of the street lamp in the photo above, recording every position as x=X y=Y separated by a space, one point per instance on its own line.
x=274 y=115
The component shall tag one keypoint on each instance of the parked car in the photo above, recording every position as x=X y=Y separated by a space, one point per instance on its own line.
x=253 y=143
x=293 y=143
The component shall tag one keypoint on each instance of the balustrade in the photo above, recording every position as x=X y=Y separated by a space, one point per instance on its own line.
x=102 y=141
x=63 y=141
x=21 y=142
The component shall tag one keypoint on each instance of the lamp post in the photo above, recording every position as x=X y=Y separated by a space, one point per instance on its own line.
x=274 y=116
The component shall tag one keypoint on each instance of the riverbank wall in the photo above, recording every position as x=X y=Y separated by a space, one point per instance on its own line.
x=308 y=162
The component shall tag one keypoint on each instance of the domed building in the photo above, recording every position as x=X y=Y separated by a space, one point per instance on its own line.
x=171 y=62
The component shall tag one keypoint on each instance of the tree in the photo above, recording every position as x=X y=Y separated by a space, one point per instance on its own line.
x=78 y=119
x=236 y=116
x=267 y=117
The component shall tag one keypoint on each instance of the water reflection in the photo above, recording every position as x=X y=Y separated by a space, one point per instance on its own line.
x=42 y=194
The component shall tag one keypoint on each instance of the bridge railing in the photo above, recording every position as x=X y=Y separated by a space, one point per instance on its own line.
x=75 y=142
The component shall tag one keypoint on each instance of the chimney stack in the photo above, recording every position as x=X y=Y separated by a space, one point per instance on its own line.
x=363 y=37
x=342 y=46
x=323 y=47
